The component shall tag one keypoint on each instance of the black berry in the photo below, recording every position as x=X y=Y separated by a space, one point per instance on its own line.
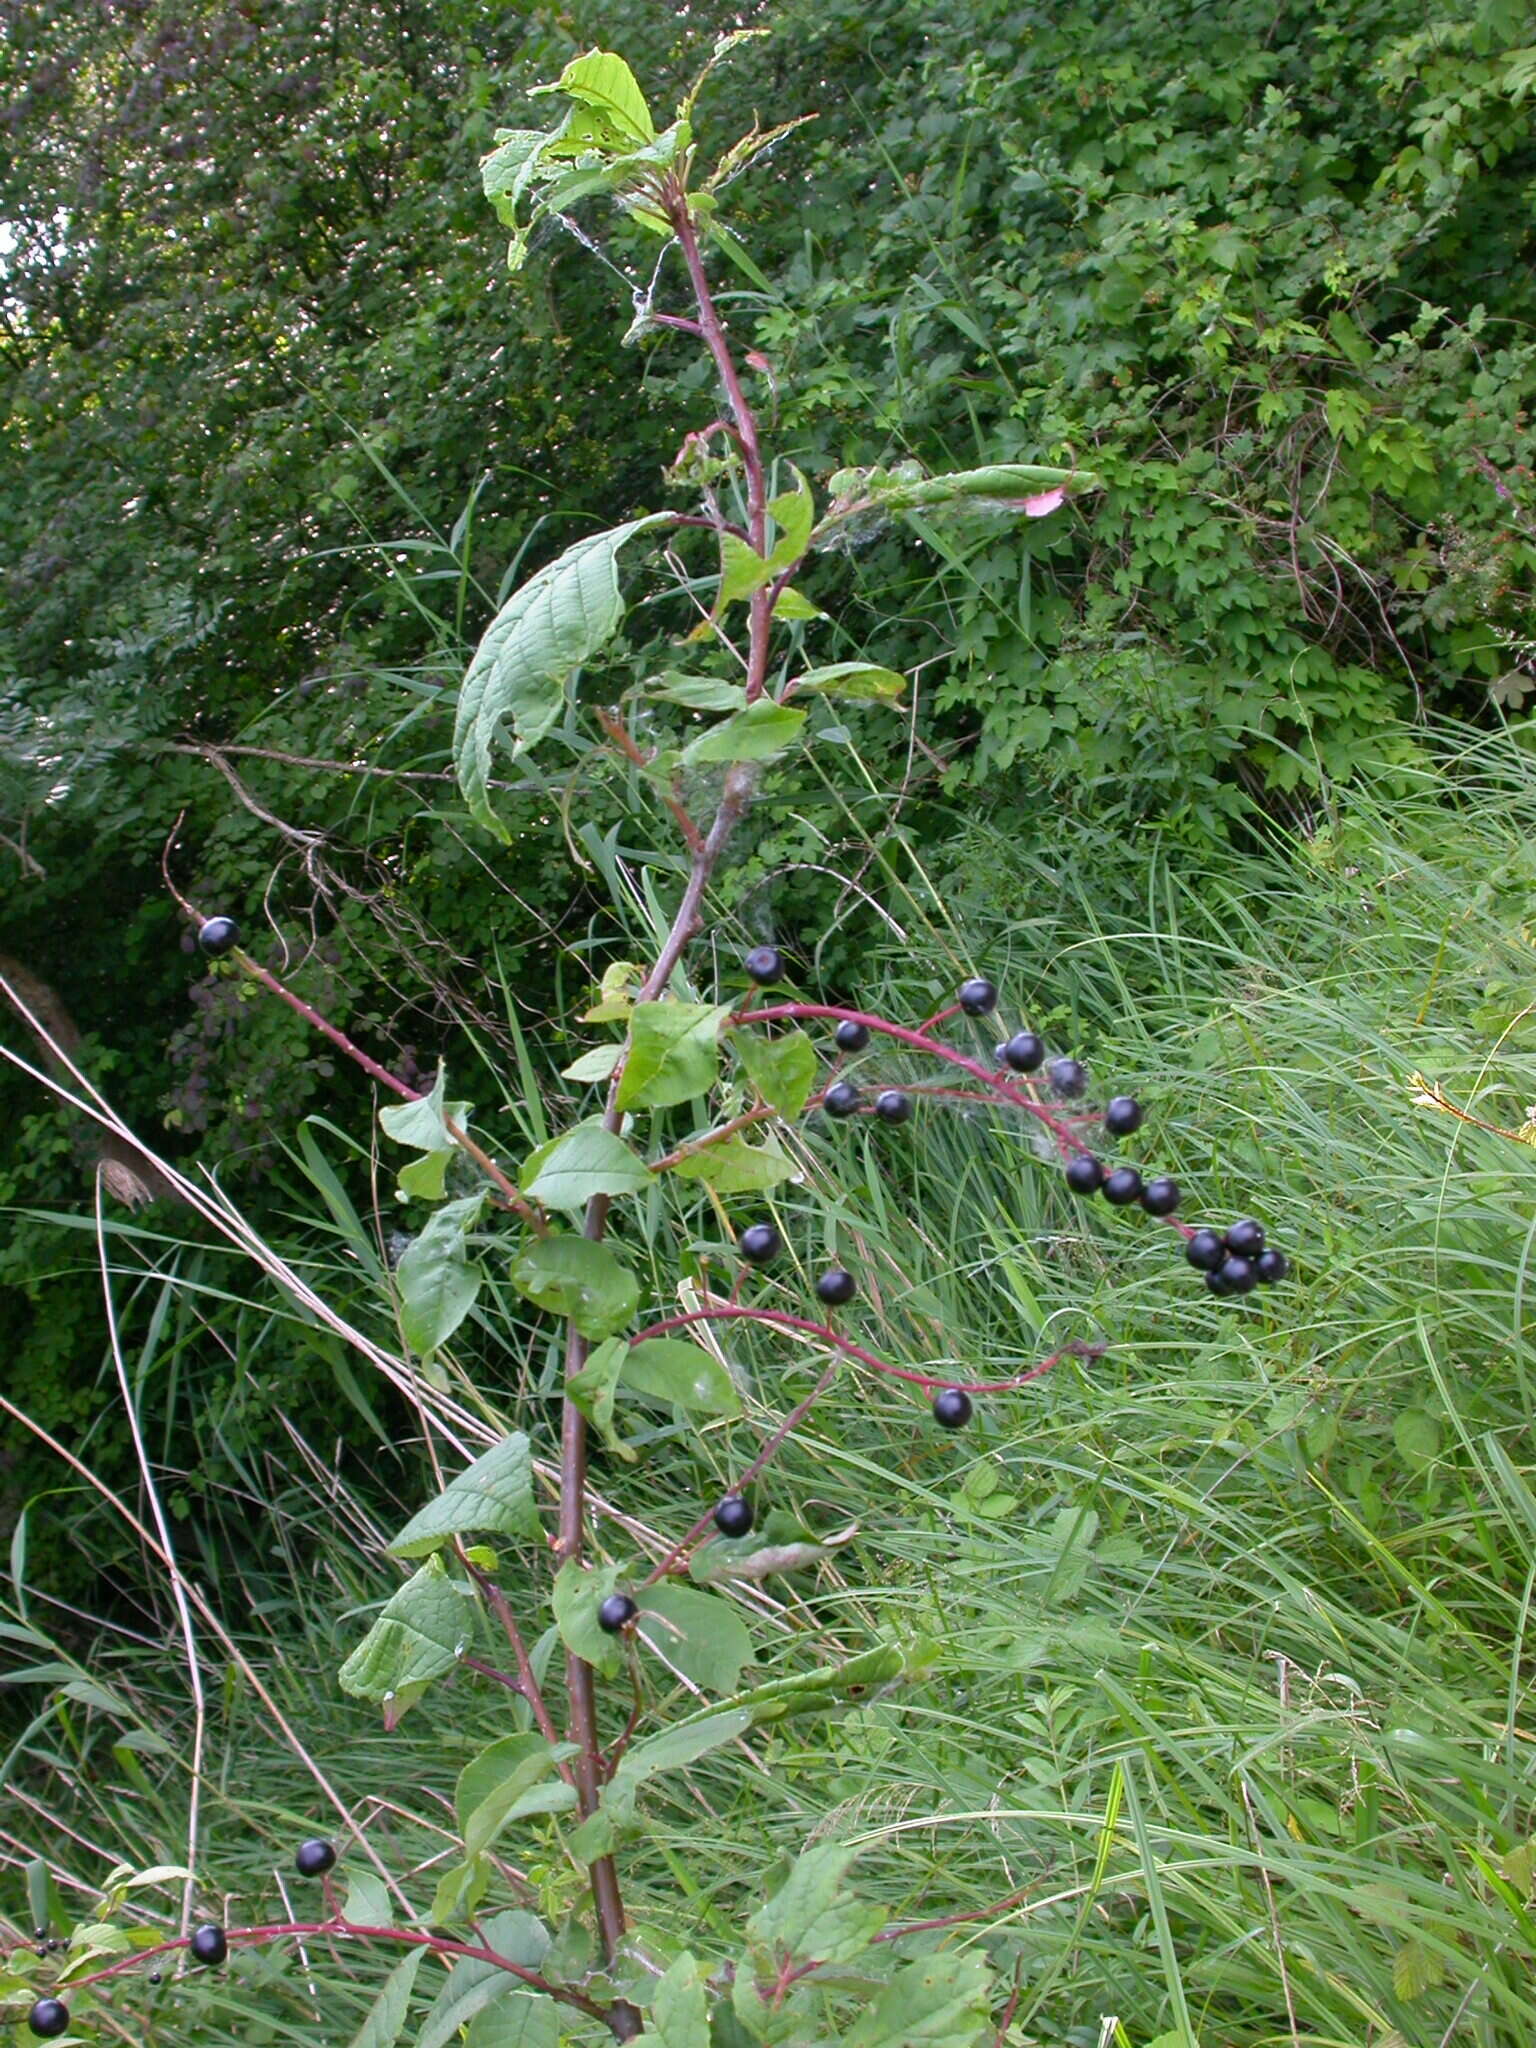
x=1122 y=1186
x=851 y=1037
x=978 y=996
x=765 y=963
x=1241 y=1276
x=616 y=1612
x=733 y=1517
x=1160 y=1197
x=1246 y=1238
x=314 y=1858
x=220 y=935
x=1024 y=1052
x=1122 y=1115
x=156 y=1977
x=1206 y=1250
x=952 y=1407
x=893 y=1106
x=835 y=1287
x=1068 y=1077
x=208 y=1944
x=1271 y=1265
x=48 y=2018
x=841 y=1099
x=759 y=1243
x=1217 y=1281
x=1085 y=1175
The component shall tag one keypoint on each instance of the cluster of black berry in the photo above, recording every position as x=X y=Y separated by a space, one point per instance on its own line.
x=1236 y=1260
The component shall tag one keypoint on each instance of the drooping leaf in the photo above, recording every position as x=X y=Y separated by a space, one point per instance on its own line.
x=572 y=1276
x=697 y=693
x=778 y=1544
x=605 y=82
x=460 y=1889
x=782 y=1070
x=425 y=1179
x=420 y=1124
x=756 y=734
x=437 y=1280
x=735 y=1167
x=547 y=629
x=813 y=1913
x=674 y=1053
x=494 y=1497
x=679 y=2015
x=513 y=1778
x=593 y=1389
x=939 y=2001
x=851 y=679
x=576 y=1596
x=698 y=1634
x=596 y=1065
x=520 y=2019
x=471 y=1985
x=421 y=1632
x=584 y=1161
x=672 y=1369
x=386 y=2017
x=794 y=512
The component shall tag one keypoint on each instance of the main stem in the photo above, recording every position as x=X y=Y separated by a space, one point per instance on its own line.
x=589 y=1764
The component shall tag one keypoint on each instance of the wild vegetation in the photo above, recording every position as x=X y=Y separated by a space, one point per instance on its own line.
x=1106 y=495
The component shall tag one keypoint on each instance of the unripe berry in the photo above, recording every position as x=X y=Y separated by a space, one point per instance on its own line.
x=978 y=996
x=208 y=1944
x=1246 y=1238
x=893 y=1106
x=1206 y=1250
x=616 y=1612
x=314 y=1858
x=1024 y=1052
x=1085 y=1174
x=952 y=1407
x=759 y=1243
x=836 y=1286
x=733 y=1517
x=1068 y=1077
x=1271 y=1265
x=48 y=2018
x=1122 y=1187
x=1122 y=1115
x=851 y=1036
x=764 y=963
x=841 y=1099
x=220 y=935
x=1160 y=1197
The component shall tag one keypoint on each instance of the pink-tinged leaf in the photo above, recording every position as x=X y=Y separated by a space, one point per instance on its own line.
x=1043 y=502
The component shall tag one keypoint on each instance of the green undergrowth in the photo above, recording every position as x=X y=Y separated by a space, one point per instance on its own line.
x=1228 y=1624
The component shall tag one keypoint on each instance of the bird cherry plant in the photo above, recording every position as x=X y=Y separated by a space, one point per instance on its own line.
x=588 y=1689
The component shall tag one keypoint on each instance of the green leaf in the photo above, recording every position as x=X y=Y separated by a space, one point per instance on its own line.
x=437 y=1282
x=742 y=571
x=586 y=1160
x=762 y=730
x=1415 y=1970
x=366 y=1901
x=697 y=693
x=791 y=604
x=813 y=1914
x=520 y=2019
x=674 y=1370
x=851 y=679
x=494 y=1496
x=426 y=1178
x=576 y=1596
x=677 y=1747
x=420 y=1633
x=779 y=1544
x=596 y=1065
x=679 y=2015
x=546 y=630
x=674 y=1053
x=571 y=1276
x=794 y=512
x=593 y=1388
x=733 y=1167
x=698 y=1634
x=603 y=81
x=940 y=2001
x=1416 y=1434
x=460 y=1888
x=471 y=1985
x=511 y=1779
x=782 y=1070
x=386 y=2016
x=420 y=1124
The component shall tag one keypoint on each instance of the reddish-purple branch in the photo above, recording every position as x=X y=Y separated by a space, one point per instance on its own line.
x=778 y=1320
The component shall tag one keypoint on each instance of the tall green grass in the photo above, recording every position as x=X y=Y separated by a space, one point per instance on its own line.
x=1230 y=1667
